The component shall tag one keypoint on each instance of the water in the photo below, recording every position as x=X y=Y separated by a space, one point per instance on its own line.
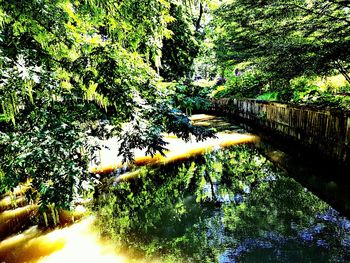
x=231 y=205
x=76 y=243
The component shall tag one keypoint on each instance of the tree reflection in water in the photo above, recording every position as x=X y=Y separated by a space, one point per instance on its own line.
x=227 y=206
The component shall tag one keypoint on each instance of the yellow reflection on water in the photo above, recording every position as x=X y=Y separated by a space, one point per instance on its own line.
x=182 y=151
x=79 y=242
x=202 y=117
x=76 y=243
x=178 y=149
x=13 y=220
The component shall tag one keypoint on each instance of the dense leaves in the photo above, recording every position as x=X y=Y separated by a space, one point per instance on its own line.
x=179 y=51
x=73 y=71
x=249 y=85
x=285 y=38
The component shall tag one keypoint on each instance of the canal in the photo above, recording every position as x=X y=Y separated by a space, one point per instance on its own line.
x=235 y=198
x=234 y=204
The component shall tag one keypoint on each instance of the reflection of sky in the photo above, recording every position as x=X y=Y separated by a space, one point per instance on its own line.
x=325 y=238
x=315 y=239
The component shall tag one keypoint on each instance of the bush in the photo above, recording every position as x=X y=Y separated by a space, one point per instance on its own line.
x=303 y=91
x=190 y=98
x=248 y=85
x=269 y=96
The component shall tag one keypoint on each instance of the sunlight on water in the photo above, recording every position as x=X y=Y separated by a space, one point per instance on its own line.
x=292 y=220
x=177 y=150
x=13 y=220
x=79 y=242
x=74 y=243
x=11 y=202
x=202 y=117
x=183 y=151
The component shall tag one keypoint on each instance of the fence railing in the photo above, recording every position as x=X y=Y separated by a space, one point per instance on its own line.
x=326 y=130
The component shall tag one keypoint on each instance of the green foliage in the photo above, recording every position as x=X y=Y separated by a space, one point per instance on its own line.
x=285 y=39
x=232 y=198
x=52 y=151
x=179 y=50
x=70 y=69
x=322 y=99
x=191 y=98
x=249 y=85
x=303 y=91
x=270 y=96
x=298 y=90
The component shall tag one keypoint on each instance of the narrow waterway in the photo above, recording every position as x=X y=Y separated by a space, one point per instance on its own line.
x=229 y=205
x=221 y=200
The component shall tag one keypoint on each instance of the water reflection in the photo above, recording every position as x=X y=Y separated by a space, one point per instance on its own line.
x=229 y=206
x=76 y=243
x=178 y=150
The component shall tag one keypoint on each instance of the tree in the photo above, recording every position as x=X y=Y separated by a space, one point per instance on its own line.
x=68 y=70
x=285 y=39
x=179 y=51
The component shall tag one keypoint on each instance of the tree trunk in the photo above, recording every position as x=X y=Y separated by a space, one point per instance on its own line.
x=343 y=71
x=198 y=24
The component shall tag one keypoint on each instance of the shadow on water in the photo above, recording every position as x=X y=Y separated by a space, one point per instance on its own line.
x=325 y=178
x=232 y=205
x=229 y=205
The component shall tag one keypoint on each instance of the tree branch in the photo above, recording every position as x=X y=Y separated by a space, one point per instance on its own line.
x=311 y=11
x=343 y=71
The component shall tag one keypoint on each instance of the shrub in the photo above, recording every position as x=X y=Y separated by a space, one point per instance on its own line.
x=190 y=98
x=249 y=85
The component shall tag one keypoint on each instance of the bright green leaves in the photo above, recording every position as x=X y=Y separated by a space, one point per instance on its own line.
x=21 y=74
x=65 y=65
x=92 y=95
x=41 y=154
x=68 y=8
x=285 y=39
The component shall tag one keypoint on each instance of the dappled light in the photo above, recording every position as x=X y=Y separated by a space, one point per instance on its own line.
x=174 y=131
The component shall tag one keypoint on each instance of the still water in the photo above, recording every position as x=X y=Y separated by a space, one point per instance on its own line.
x=214 y=201
x=230 y=205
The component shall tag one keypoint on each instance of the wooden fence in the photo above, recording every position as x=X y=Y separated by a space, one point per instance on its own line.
x=327 y=131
